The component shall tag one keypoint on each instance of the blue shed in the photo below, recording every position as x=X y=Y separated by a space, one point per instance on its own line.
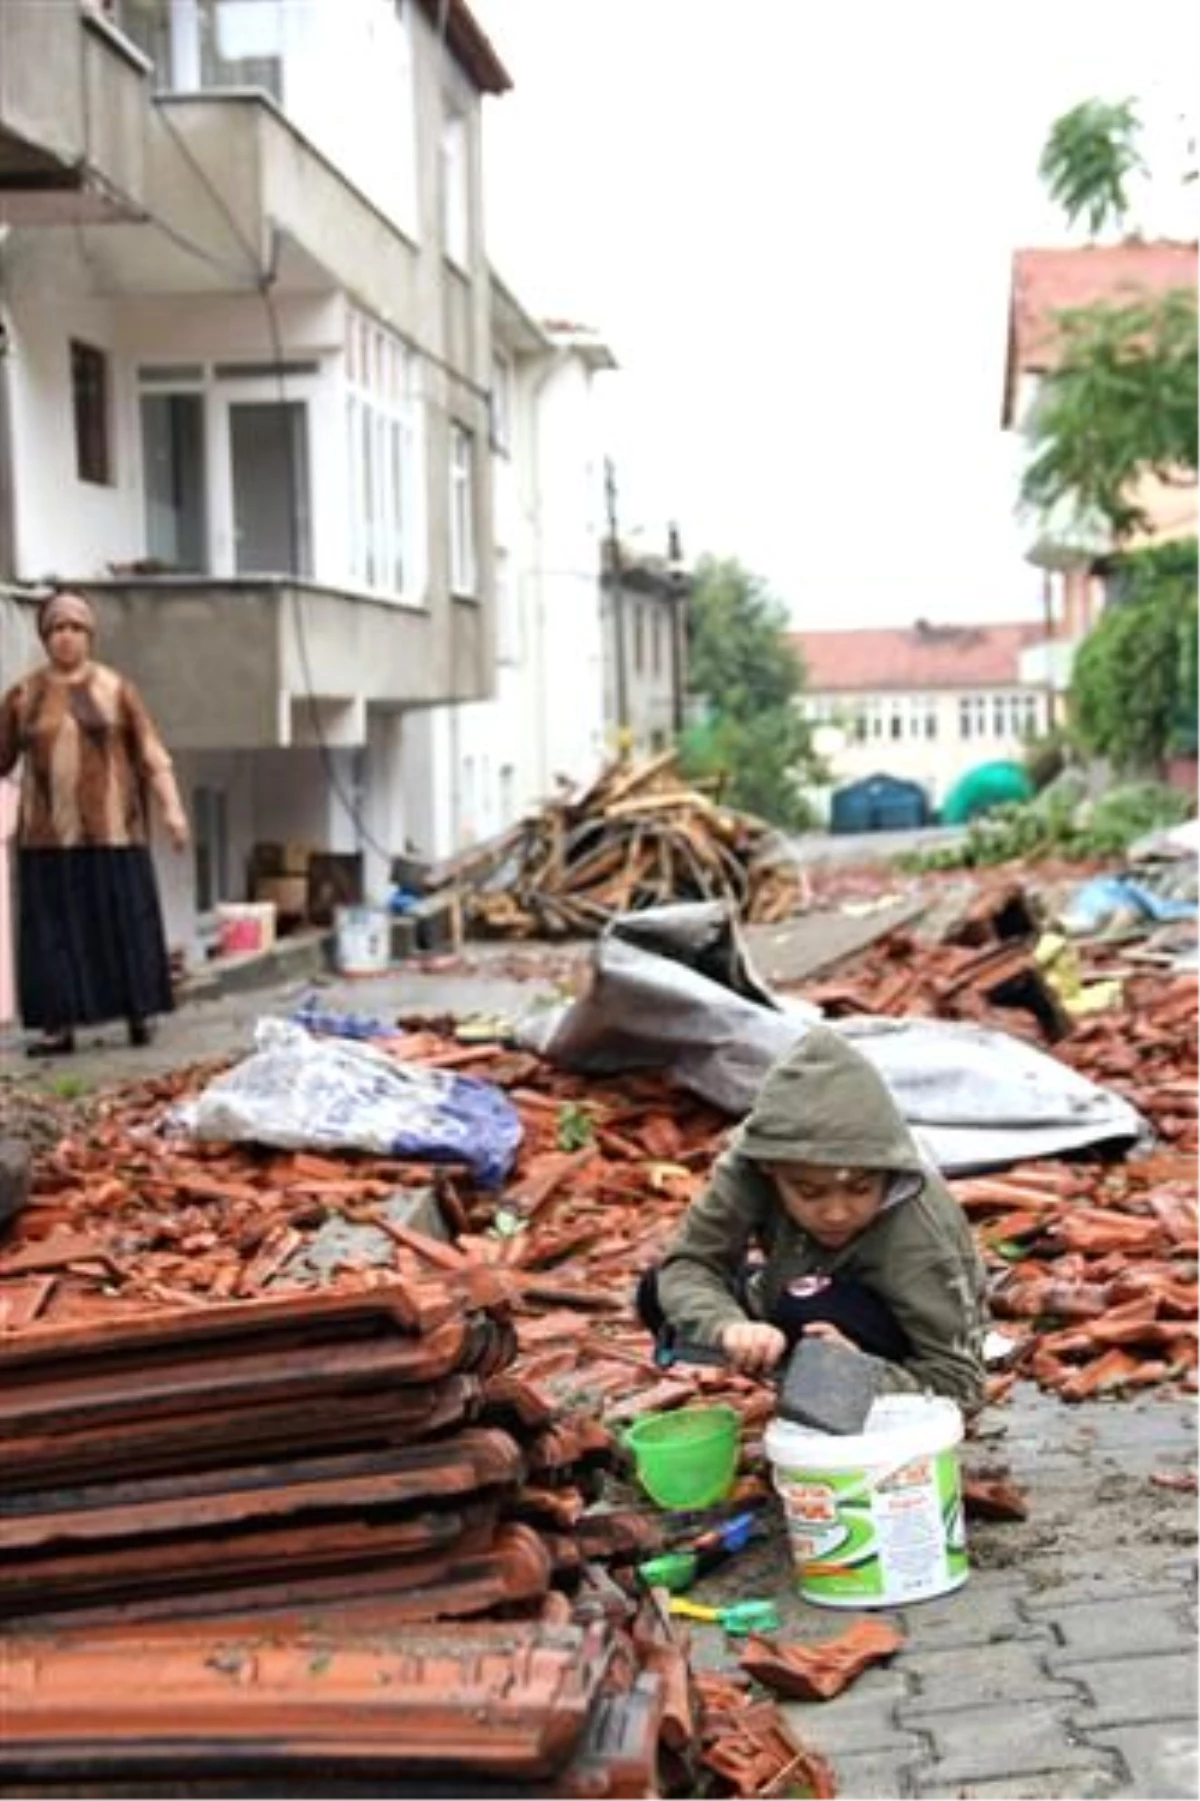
x=879 y=803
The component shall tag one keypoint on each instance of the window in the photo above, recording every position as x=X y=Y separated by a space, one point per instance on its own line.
x=639 y=637
x=1032 y=716
x=998 y=716
x=931 y=717
x=456 y=217
x=90 y=400
x=964 y=718
x=462 y=510
x=173 y=480
x=241 y=43
x=656 y=643
x=382 y=446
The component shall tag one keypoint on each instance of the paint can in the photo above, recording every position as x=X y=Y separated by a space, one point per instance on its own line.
x=362 y=940
x=875 y=1518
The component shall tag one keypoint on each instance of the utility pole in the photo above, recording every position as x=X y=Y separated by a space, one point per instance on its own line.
x=679 y=596
x=617 y=590
x=1050 y=630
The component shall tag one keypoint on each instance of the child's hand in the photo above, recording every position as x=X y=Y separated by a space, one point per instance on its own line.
x=824 y=1329
x=752 y=1346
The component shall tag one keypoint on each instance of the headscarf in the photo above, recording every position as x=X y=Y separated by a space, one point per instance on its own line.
x=65 y=606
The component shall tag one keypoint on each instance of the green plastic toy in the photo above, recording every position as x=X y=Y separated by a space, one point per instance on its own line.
x=737 y=1617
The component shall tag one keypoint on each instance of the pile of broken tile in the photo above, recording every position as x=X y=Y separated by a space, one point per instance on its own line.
x=358 y=1517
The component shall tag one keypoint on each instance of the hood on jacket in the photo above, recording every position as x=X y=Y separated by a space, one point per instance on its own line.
x=824 y=1103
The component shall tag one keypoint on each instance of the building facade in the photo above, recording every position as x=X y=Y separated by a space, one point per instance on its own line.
x=480 y=765
x=1074 y=551
x=924 y=704
x=245 y=390
x=645 y=647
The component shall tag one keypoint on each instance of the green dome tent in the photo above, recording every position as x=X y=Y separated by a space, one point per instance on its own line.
x=983 y=788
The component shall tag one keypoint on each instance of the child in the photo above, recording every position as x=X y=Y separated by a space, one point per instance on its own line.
x=863 y=1242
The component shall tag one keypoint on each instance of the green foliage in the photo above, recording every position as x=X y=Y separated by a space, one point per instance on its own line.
x=1058 y=824
x=1120 y=404
x=754 y=747
x=1046 y=757
x=575 y=1128
x=1088 y=158
x=1133 y=683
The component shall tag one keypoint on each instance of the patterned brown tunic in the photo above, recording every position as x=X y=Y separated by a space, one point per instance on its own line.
x=88 y=750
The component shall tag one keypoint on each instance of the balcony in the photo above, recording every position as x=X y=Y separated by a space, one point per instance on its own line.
x=73 y=109
x=242 y=195
x=258 y=663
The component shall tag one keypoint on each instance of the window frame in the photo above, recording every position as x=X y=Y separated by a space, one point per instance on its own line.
x=95 y=463
x=463 y=570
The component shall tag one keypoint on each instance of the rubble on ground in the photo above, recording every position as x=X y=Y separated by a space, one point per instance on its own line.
x=465 y=1544
x=637 y=837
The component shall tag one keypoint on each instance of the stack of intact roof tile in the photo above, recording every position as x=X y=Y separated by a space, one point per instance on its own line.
x=306 y=1450
x=231 y=1538
x=522 y=1708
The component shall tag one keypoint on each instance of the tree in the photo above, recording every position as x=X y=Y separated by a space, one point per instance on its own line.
x=755 y=739
x=1119 y=405
x=1088 y=158
x=1120 y=402
x=1133 y=682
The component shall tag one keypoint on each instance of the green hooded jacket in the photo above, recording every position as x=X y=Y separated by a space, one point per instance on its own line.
x=824 y=1103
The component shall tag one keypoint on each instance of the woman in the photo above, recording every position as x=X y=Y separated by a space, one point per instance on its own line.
x=91 y=942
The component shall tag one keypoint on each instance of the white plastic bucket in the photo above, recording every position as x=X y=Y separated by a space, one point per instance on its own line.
x=363 y=938
x=875 y=1518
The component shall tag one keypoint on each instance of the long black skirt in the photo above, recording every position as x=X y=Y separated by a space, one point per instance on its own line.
x=91 y=939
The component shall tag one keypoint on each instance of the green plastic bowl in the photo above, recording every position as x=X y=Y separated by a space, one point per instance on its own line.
x=687 y=1458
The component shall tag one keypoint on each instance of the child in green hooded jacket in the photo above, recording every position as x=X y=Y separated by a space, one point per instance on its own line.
x=861 y=1241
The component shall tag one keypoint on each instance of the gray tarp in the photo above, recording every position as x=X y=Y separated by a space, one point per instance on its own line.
x=673 y=988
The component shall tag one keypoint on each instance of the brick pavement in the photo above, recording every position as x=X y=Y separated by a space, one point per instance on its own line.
x=1067 y=1665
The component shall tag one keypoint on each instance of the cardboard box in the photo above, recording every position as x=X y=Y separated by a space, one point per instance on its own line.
x=280 y=859
x=289 y=893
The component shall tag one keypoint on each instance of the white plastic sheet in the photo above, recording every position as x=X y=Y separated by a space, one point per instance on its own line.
x=976 y=1099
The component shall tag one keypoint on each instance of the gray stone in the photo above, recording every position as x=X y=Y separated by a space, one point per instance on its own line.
x=1085 y=1589
x=14 y=1177
x=1047 y=1785
x=1136 y=1625
x=341 y=1241
x=861 y=1718
x=981 y=1676
x=998 y=1744
x=980 y=1613
x=1133 y=1690
x=867 y=1775
x=1162 y=1761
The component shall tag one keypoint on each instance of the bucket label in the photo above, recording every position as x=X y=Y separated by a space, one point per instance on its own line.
x=859 y=1542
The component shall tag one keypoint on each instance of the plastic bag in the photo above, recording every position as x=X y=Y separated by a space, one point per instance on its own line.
x=297 y=1092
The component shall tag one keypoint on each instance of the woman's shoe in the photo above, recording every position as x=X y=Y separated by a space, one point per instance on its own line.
x=141 y=1032
x=52 y=1044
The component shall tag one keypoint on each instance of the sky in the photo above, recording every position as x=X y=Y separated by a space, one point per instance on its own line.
x=793 y=223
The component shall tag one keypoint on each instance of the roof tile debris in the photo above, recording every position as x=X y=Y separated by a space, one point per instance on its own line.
x=391 y=1479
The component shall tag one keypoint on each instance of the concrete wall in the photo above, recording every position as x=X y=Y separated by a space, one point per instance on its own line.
x=71 y=95
x=471 y=771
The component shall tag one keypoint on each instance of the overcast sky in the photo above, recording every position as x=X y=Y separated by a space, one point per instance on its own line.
x=793 y=221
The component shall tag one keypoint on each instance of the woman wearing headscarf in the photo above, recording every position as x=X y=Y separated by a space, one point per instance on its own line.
x=90 y=934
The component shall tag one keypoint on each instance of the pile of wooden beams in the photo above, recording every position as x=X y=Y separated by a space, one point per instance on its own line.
x=638 y=837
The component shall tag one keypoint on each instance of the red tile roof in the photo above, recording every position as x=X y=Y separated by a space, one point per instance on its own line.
x=1046 y=282
x=913 y=658
x=469 y=44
